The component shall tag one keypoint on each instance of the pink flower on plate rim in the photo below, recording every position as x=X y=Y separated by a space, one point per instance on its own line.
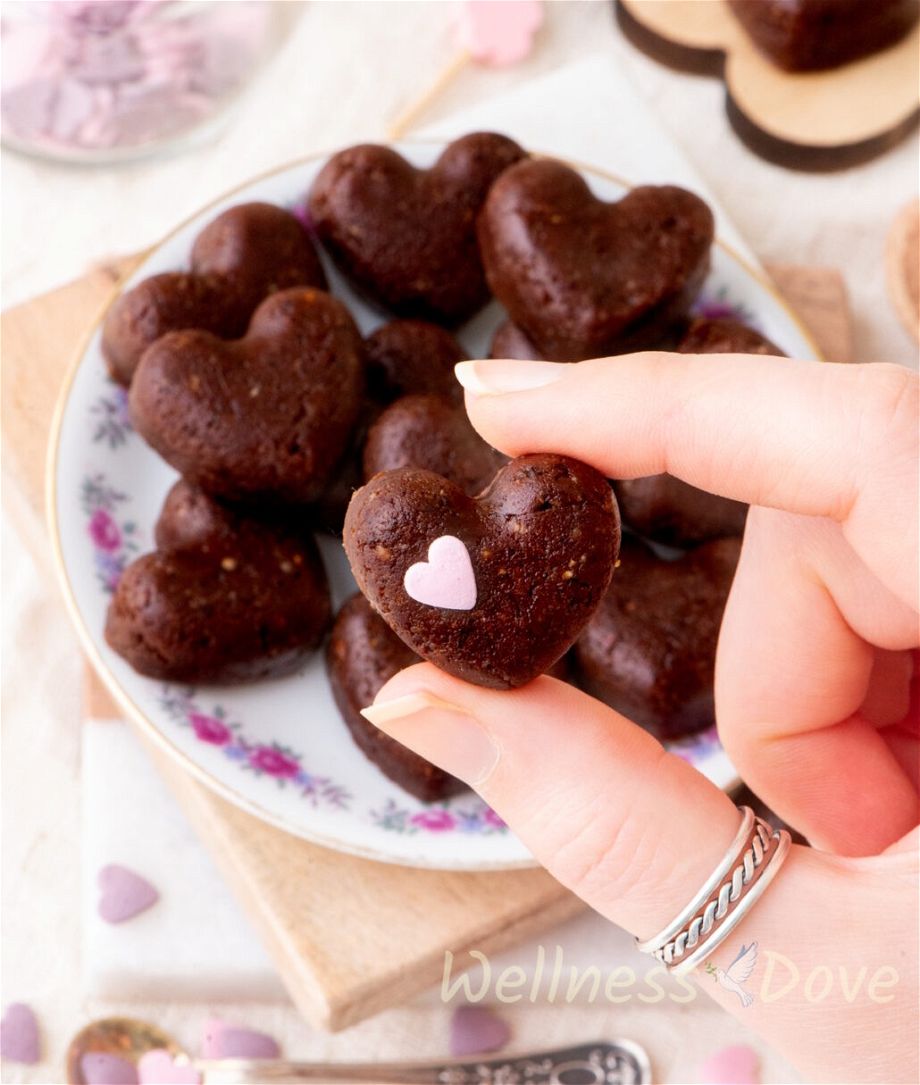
x=491 y=818
x=436 y=821
x=273 y=762
x=210 y=729
x=104 y=531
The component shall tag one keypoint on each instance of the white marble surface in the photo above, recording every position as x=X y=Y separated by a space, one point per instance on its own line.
x=347 y=71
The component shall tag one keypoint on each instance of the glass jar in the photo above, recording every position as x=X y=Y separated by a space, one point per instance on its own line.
x=107 y=80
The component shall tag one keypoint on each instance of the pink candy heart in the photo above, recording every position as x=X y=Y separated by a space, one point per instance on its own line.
x=124 y=894
x=221 y=1040
x=446 y=579
x=475 y=1030
x=19 y=1034
x=158 y=1067
x=736 y=1065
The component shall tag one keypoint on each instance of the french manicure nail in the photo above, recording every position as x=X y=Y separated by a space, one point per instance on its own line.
x=498 y=376
x=443 y=733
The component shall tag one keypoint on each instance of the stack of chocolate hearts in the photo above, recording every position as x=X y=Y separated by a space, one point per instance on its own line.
x=254 y=383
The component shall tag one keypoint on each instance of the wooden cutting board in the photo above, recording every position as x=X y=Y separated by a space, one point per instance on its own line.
x=350 y=937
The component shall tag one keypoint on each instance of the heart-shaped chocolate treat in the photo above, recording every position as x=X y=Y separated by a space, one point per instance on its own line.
x=649 y=651
x=408 y=236
x=665 y=508
x=406 y=357
x=223 y=598
x=364 y=653
x=245 y=254
x=719 y=335
x=583 y=278
x=265 y=418
x=433 y=433
x=807 y=35
x=492 y=589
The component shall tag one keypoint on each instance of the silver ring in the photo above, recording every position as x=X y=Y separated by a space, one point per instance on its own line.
x=715 y=880
x=747 y=868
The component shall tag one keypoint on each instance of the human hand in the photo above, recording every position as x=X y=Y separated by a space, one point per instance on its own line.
x=816 y=697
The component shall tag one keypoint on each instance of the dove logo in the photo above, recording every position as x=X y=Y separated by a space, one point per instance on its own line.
x=737 y=973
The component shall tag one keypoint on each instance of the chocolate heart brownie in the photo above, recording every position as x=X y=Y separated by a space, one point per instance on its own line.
x=408 y=236
x=433 y=433
x=667 y=509
x=649 y=651
x=406 y=357
x=583 y=278
x=491 y=589
x=223 y=598
x=245 y=254
x=261 y=419
x=807 y=35
x=706 y=335
x=362 y=655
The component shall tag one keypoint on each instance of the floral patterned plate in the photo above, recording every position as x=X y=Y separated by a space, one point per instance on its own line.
x=279 y=748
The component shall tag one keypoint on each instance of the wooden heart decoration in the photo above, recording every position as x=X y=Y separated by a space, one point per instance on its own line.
x=583 y=278
x=541 y=543
x=408 y=236
x=265 y=418
x=245 y=254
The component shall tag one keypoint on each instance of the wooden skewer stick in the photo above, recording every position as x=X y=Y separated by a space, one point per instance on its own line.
x=414 y=110
x=903 y=260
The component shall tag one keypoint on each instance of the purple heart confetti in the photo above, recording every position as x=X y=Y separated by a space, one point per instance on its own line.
x=221 y=1040
x=124 y=894
x=475 y=1030
x=101 y=1068
x=158 y=1067
x=736 y=1065
x=19 y=1034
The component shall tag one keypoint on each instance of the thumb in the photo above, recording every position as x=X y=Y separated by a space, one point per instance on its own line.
x=632 y=829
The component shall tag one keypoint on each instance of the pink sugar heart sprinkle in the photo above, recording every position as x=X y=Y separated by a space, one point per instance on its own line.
x=124 y=894
x=499 y=32
x=221 y=1040
x=19 y=1034
x=101 y=1068
x=735 y=1065
x=476 y=1030
x=158 y=1067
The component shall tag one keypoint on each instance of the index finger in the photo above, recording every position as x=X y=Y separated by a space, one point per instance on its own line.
x=808 y=437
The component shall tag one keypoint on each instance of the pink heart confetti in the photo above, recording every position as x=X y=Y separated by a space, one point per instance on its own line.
x=125 y=894
x=475 y=1030
x=101 y=1068
x=158 y=1067
x=446 y=579
x=736 y=1065
x=221 y=1040
x=19 y=1034
x=499 y=32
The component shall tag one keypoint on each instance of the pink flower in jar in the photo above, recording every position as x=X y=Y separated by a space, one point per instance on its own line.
x=104 y=531
x=274 y=762
x=210 y=729
x=436 y=821
x=491 y=818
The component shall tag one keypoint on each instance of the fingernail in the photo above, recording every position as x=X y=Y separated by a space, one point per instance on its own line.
x=439 y=731
x=497 y=376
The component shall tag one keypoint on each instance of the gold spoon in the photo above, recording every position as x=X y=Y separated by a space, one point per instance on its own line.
x=621 y=1062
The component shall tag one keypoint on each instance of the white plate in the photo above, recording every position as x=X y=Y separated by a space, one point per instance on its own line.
x=279 y=748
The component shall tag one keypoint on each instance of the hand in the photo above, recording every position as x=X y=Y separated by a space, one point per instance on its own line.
x=816 y=698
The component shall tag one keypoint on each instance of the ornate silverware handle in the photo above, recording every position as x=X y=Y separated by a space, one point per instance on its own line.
x=621 y=1062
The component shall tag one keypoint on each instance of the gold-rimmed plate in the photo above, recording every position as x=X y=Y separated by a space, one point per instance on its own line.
x=279 y=748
